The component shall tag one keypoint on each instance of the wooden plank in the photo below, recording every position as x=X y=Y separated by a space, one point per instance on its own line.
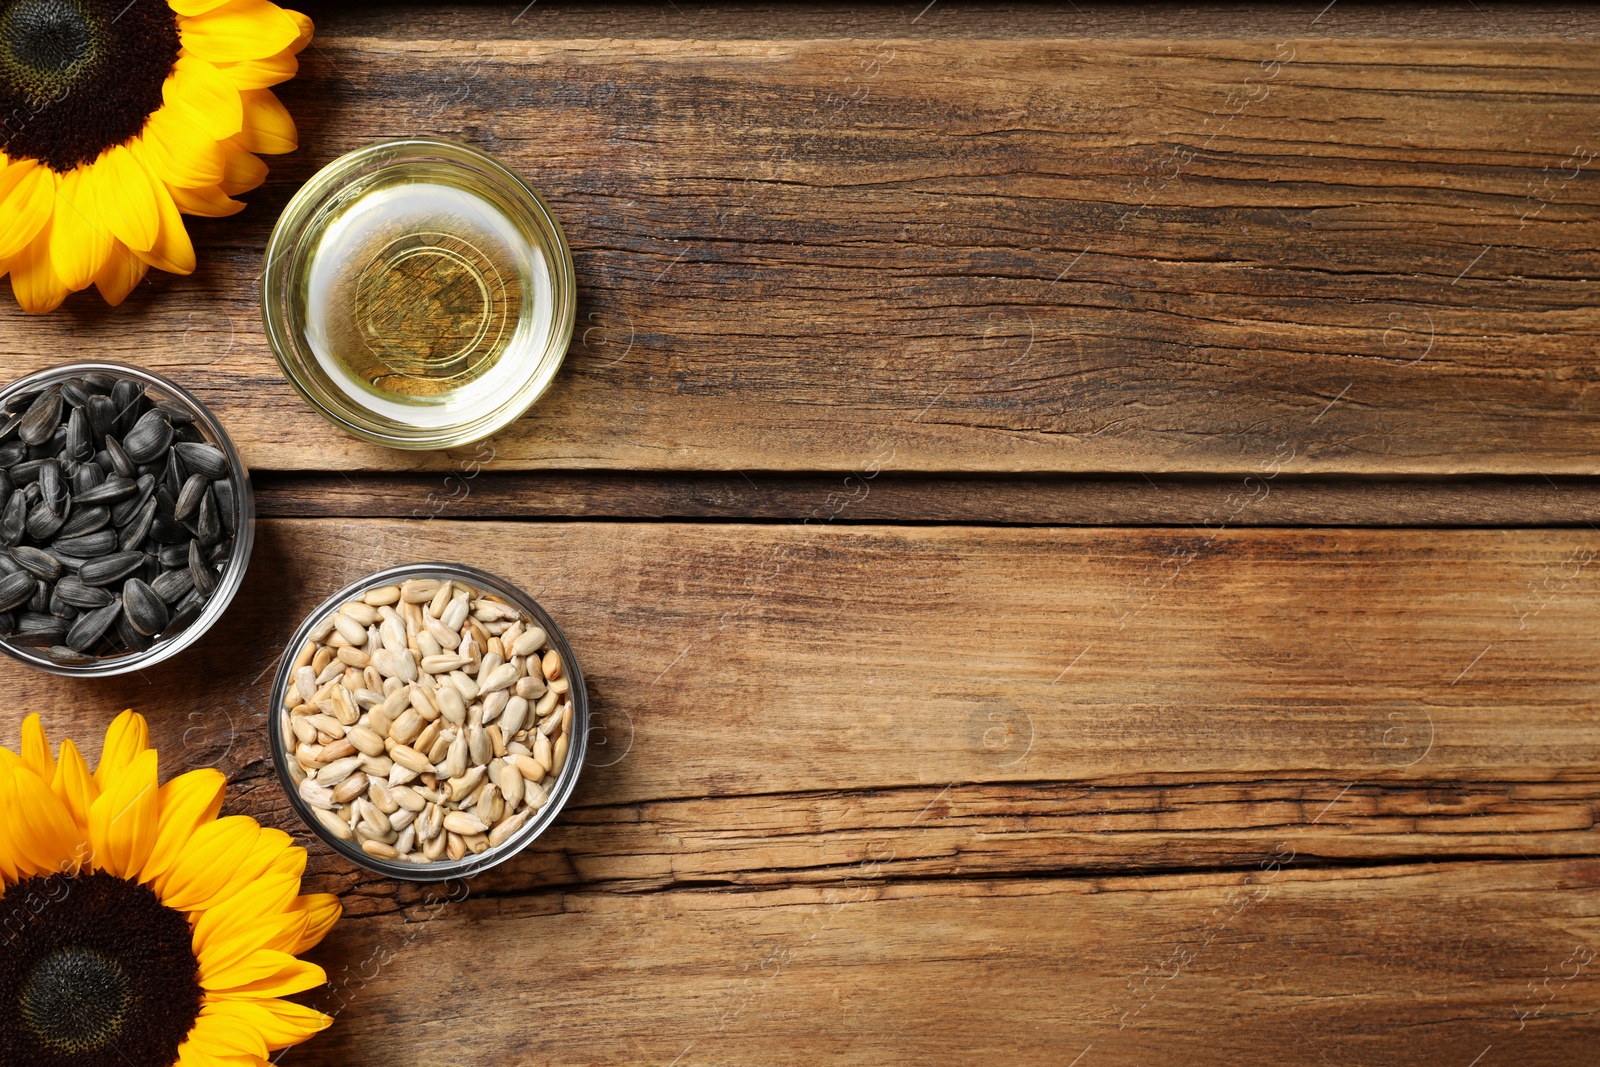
x=1421 y=965
x=1302 y=256
x=1477 y=19
x=981 y=701
x=892 y=498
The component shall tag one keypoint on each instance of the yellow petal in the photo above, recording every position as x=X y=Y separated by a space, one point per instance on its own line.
x=268 y=129
x=36 y=749
x=261 y=73
x=206 y=862
x=293 y=976
x=225 y=1033
x=122 y=272
x=272 y=852
x=27 y=196
x=33 y=279
x=194 y=1054
x=281 y=1023
x=126 y=737
x=188 y=802
x=126 y=201
x=242 y=171
x=11 y=858
x=271 y=973
x=74 y=784
x=194 y=7
x=80 y=243
x=307 y=29
x=210 y=202
x=123 y=821
x=201 y=98
x=173 y=251
x=322 y=911
x=246 y=921
x=177 y=154
x=243 y=29
x=45 y=835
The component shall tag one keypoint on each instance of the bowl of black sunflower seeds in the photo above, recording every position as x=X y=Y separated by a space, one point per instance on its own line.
x=126 y=519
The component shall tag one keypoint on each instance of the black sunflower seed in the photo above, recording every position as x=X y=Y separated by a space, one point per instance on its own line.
x=102 y=414
x=226 y=504
x=202 y=459
x=43 y=523
x=68 y=657
x=176 y=414
x=98 y=382
x=204 y=577
x=9 y=426
x=53 y=486
x=107 y=569
x=137 y=530
x=12 y=454
x=27 y=471
x=172 y=586
x=79 y=446
x=189 y=496
x=40 y=601
x=130 y=638
x=88 y=476
x=145 y=610
x=119 y=458
x=73 y=392
x=92 y=625
x=144 y=488
x=207 y=524
x=74 y=592
x=37 y=562
x=128 y=396
x=112 y=489
x=14 y=520
x=38 y=628
x=174 y=474
x=166 y=531
x=87 y=545
x=15 y=590
x=60 y=608
x=85 y=521
x=149 y=437
x=8 y=623
x=43 y=416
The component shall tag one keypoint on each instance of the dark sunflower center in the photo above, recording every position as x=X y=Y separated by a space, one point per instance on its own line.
x=75 y=1000
x=78 y=76
x=94 y=972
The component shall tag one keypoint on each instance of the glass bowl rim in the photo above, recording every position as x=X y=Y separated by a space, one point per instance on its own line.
x=285 y=337
x=231 y=579
x=469 y=865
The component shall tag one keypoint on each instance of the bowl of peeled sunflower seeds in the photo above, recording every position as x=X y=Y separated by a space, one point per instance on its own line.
x=126 y=519
x=429 y=721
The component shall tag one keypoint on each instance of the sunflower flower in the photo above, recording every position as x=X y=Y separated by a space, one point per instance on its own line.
x=119 y=116
x=137 y=929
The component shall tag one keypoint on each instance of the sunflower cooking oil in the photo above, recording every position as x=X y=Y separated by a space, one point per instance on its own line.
x=421 y=299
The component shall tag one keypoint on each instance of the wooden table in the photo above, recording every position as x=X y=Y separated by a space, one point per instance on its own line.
x=1078 y=522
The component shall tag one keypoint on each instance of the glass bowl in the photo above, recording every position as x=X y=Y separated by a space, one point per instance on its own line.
x=244 y=516
x=440 y=870
x=419 y=294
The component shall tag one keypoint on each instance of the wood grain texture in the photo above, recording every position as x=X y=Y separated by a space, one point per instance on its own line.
x=926 y=793
x=1473 y=20
x=1413 y=965
x=976 y=500
x=1307 y=255
x=984 y=701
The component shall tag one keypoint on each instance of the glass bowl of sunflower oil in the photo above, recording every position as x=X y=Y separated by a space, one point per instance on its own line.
x=419 y=294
